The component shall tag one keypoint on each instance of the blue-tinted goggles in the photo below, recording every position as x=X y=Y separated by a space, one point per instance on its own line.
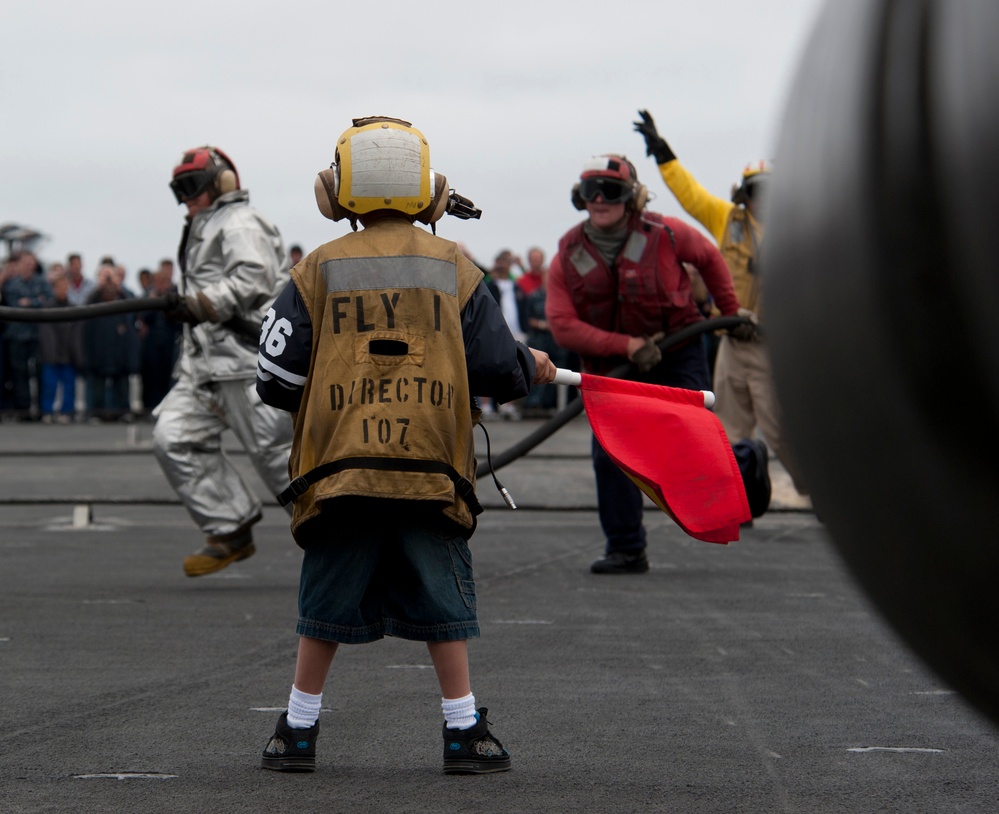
x=610 y=189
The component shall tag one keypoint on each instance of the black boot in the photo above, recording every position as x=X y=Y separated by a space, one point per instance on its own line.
x=621 y=562
x=753 y=461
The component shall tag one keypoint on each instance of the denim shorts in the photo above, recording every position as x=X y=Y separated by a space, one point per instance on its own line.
x=387 y=571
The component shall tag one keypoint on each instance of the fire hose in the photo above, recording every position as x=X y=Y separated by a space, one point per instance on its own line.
x=243 y=328
x=249 y=331
x=575 y=407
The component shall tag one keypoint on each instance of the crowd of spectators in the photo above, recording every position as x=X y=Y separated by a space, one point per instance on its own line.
x=112 y=368
x=118 y=368
x=521 y=290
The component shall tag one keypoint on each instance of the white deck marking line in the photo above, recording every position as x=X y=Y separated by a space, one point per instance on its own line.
x=523 y=622
x=914 y=749
x=125 y=776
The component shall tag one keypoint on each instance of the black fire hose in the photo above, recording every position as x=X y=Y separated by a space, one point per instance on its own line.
x=250 y=332
x=245 y=329
x=575 y=407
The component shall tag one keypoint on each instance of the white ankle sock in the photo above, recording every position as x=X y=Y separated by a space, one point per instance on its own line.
x=459 y=713
x=303 y=709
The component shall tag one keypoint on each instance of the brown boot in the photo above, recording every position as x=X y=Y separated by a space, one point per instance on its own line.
x=221 y=550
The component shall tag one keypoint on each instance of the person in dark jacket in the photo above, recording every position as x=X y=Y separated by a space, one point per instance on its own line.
x=112 y=352
x=160 y=341
x=25 y=287
x=60 y=355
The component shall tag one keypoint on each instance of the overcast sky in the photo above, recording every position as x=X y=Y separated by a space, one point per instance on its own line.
x=99 y=99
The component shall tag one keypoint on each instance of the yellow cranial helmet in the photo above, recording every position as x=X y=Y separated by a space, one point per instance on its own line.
x=381 y=163
x=754 y=168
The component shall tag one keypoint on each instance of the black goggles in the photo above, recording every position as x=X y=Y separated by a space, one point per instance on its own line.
x=610 y=189
x=189 y=185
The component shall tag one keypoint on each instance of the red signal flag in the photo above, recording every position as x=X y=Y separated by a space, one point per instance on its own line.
x=674 y=449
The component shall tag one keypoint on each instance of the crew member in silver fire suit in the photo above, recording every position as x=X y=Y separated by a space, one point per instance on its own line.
x=233 y=263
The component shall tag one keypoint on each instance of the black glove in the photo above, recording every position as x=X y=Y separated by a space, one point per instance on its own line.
x=192 y=310
x=746 y=331
x=655 y=144
x=649 y=355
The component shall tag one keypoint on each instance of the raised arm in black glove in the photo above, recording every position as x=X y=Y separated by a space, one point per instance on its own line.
x=655 y=144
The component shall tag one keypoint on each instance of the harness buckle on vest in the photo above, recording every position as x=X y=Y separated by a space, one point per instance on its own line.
x=296 y=489
x=467 y=491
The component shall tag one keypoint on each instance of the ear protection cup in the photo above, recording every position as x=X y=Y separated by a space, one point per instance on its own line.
x=225 y=182
x=325 y=189
x=639 y=192
x=880 y=291
x=226 y=179
x=438 y=204
x=641 y=197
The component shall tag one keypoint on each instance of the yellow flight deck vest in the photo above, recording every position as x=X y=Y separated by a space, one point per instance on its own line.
x=386 y=410
x=738 y=233
x=740 y=246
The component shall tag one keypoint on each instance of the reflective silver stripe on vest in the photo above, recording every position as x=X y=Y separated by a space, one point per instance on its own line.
x=635 y=247
x=378 y=273
x=582 y=261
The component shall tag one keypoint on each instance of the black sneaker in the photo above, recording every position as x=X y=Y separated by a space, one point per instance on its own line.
x=474 y=750
x=291 y=750
x=619 y=562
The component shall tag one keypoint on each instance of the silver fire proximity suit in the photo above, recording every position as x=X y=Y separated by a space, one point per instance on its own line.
x=233 y=257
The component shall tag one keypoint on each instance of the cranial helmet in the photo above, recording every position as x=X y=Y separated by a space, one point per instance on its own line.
x=614 y=178
x=755 y=174
x=381 y=163
x=203 y=168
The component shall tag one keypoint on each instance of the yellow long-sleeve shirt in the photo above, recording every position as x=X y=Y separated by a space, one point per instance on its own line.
x=737 y=232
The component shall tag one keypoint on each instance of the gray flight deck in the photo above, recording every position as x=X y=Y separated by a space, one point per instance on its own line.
x=752 y=677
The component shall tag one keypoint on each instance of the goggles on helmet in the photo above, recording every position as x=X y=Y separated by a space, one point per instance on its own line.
x=611 y=190
x=190 y=184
